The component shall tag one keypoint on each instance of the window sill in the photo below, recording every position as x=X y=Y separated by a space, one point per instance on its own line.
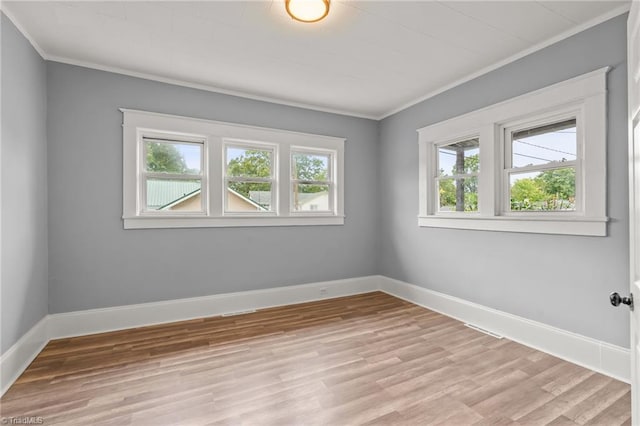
x=138 y=222
x=573 y=225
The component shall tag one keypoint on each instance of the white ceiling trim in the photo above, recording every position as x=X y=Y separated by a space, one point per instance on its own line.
x=575 y=30
x=153 y=77
x=206 y=87
x=24 y=32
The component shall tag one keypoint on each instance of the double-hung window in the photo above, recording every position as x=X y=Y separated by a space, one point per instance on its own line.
x=249 y=178
x=182 y=172
x=542 y=165
x=172 y=176
x=312 y=187
x=457 y=175
x=535 y=163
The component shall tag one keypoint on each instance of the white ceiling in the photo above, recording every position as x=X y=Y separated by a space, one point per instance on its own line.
x=368 y=58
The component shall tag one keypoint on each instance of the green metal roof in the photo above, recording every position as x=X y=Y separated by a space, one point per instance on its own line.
x=163 y=193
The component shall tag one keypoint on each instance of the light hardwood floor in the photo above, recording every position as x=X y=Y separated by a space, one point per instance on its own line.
x=367 y=359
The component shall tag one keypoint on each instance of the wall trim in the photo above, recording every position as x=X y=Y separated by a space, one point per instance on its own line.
x=18 y=357
x=605 y=358
x=208 y=87
x=93 y=321
x=611 y=360
x=521 y=54
x=18 y=25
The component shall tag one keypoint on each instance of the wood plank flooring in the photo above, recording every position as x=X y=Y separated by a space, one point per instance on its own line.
x=363 y=360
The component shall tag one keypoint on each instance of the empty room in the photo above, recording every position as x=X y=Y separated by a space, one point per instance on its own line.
x=320 y=212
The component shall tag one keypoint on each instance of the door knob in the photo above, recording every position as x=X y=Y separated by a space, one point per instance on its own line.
x=616 y=300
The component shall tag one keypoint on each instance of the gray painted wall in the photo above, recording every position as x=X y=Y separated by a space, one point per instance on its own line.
x=563 y=281
x=24 y=291
x=94 y=263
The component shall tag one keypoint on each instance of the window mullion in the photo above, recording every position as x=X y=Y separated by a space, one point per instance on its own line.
x=487 y=177
x=285 y=184
x=215 y=171
x=426 y=174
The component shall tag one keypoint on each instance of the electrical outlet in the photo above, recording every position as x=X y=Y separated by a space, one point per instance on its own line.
x=324 y=291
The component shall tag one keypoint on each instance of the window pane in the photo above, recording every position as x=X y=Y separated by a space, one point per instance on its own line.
x=173 y=157
x=174 y=195
x=310 y=166
x=307 y=197
x=458 y=195
x=550 y=190
x=249 y=162
x=545 y=144
x=248 y=197
x=459 y=158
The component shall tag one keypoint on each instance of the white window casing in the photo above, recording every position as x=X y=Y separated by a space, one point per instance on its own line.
x=214 y=137
x=330 y=181
x=454 y=175
x=582 y=98
x=251 y=145
x=506 y=143
x=149 y=136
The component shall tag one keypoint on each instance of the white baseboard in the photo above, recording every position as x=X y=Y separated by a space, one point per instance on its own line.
x=15 y=360
x=611 y=360
x=93 y=321
x=608 y=359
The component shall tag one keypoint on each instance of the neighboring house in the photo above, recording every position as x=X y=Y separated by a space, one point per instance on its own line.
x=185 y=196
x=313 y=201
x=305 y=201
x=261 y=197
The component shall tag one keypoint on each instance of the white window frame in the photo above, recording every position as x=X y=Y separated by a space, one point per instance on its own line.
x=259 y=146
x=576 y=164
x=437 y=178
x=582 y=97
x=333 y=155
x=143 y=135
x=215 y=136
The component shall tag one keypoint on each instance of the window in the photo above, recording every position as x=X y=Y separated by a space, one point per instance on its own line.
x=249 y=179
x=183 y=172
x=172 y=176
x=535 y=163
x=311 y=181
x=541 y=164
x=457 y=176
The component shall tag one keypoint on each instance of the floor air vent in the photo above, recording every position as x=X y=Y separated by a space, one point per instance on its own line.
x=482 y=330
x=232 y=314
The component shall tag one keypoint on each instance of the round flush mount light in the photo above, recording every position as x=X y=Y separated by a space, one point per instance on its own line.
x=307 y=10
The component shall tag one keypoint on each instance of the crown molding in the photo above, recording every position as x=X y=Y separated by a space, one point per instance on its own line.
x=573 y=31
x=18 y=25
x=208 y=88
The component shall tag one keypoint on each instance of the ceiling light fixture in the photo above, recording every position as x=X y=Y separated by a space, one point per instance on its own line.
x=307 y=10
